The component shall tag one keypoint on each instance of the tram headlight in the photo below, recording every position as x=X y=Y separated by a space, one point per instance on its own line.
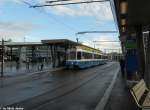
x=72 y=63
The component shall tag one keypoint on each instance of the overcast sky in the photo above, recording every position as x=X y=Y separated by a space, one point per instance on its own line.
x=18 y=21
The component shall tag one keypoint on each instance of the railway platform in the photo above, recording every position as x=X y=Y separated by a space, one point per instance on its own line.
x=120 y=97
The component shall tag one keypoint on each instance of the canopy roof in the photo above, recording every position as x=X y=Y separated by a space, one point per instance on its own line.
x=66 y=42
x=131 y=13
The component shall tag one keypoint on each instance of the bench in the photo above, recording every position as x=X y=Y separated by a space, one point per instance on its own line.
x=141 y=95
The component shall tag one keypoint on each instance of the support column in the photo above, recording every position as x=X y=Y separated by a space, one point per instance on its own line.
x=47 y=56
x=58 y=57
x=147 y=66
x=11 y=56
x=65 y=57
x=33 y=53
x=55 y=55
x=19 y=54
x=52 y=56
x=140 y=49
x=67 y=47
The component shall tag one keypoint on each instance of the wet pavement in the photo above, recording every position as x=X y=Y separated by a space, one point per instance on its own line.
x=120 y=98
x=59 y=90
x=15 y=69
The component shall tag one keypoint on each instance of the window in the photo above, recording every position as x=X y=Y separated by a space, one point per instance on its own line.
x=79 y=55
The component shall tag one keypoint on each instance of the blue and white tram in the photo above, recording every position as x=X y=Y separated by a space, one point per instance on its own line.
x=80 y=58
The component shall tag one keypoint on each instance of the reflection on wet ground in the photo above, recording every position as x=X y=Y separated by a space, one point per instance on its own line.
x=16 y=68
x=54 y=84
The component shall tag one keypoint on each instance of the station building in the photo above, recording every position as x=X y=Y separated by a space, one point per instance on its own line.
x=56 y=51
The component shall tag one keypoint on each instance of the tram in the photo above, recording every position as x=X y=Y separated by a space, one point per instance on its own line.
x=82 y=57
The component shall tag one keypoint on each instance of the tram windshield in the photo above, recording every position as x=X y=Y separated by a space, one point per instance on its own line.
x=79 y=55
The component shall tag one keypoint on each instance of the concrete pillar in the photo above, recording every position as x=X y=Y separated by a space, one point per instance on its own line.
x=140 y=49
x=33 y=52
x=22 y=54
x=11 y=55
x=47 y=59
x=66 y=49
x=19 y=53
x=52 y=55
x=58 y=56
x=55 y=55
x=147 y=66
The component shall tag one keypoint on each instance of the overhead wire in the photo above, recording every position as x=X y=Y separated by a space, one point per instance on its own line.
x=53 y=1
x=53 y=18
x=59 y=4
x=58 y=21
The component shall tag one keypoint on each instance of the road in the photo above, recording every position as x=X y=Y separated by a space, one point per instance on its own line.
x=60 y=90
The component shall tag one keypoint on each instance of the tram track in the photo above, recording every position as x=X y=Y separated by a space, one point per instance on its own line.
x=81 y=77
x=74 y=89
x=84 y=79
x=40 y=75
x=74 y=76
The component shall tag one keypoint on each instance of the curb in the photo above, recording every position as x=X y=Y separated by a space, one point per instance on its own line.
x=101 y=105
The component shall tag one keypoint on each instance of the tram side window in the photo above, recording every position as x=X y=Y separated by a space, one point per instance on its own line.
x=79 y=55
x=87 y=55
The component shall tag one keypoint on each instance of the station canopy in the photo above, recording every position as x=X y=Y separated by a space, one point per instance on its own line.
x=20 y=44
x=59 y=42
x=53 y=42
x=131 y=13
x=66 y=42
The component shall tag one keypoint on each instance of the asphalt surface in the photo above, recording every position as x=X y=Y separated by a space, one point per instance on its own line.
x=120 y=97
x=59 y=90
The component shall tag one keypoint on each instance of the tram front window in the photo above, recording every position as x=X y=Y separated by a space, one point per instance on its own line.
x=79 y=55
